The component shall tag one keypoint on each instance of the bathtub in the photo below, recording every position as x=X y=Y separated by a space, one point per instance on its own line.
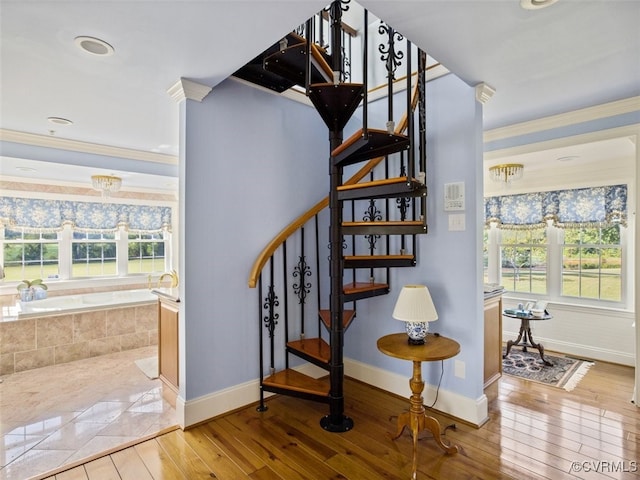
x=84 y=302
x=73 y=327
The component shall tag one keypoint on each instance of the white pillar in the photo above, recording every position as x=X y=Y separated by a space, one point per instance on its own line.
x=185 y=92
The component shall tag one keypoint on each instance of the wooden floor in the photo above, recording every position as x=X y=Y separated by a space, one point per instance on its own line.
x=534 y=432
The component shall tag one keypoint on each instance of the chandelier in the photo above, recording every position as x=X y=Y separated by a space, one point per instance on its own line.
x=106 y=184
x=506 y=172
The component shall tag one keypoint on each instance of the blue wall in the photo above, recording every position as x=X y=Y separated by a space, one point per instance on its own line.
x=449 y=262
x=252 y=163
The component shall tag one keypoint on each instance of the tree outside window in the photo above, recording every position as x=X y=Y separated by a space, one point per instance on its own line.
x=146 y=253
x=93 y=254
x=523 y=256
x=29 y=255
x=592 y=263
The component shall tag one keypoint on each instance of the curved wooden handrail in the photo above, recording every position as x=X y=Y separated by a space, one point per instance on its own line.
x=286 y=232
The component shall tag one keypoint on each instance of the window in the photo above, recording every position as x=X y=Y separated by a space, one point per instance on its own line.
x=592 y=263
x=93 y=254
x=583 y=265
x=146 y=253
x=523 y=260
x=29 y=255
x=563 y=245
x=41 y=238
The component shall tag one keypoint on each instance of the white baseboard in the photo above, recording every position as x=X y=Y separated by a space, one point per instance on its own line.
x=472 y=411
x=208 y=406
x=580 y=351
x=217 y=403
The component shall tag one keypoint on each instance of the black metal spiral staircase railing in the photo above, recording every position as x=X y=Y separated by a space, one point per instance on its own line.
x=374 y=216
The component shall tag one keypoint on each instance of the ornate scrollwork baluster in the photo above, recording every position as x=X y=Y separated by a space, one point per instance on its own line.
x=345 y=74
x=372 y=215
x=389 y=54
x=302 y=289
x=404 y=202
x=270 y=303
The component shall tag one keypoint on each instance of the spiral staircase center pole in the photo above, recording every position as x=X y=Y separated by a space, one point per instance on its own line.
x=336 y=421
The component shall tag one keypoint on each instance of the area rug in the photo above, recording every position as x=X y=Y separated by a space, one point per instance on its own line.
x=149 y=366
x=565 y=373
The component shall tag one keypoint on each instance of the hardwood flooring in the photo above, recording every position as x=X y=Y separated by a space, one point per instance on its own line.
x=534 y=432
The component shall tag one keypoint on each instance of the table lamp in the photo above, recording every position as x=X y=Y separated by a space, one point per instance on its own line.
x=415 y=307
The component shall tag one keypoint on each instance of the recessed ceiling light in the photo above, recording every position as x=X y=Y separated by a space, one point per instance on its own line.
x=536 y=4
x=60 y=121
x=26 y=169
x=94 y=46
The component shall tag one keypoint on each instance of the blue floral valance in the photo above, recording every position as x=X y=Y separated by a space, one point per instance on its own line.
x=50 y=215
x=594 y=206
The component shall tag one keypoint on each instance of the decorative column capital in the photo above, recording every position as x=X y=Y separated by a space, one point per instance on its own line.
x=484 y=92
x=184 y=89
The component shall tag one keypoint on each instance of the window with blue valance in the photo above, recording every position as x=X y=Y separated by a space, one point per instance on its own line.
x=51 y=215
x=582 y=207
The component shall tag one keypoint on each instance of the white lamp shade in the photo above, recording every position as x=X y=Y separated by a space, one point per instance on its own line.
x=415 y=305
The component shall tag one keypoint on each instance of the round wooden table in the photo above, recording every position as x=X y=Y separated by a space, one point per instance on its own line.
x=435 y=348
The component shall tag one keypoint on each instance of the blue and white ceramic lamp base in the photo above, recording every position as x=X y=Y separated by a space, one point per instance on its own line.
x=417 y=331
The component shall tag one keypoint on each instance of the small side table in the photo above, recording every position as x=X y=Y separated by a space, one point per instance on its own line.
x=434 y=348
x=525 y=331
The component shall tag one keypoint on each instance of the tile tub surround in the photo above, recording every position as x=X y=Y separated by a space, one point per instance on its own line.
x=51 y=340
x=61 y=414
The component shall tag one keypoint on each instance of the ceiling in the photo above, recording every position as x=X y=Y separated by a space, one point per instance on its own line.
x=572 y=166
x=570 y=55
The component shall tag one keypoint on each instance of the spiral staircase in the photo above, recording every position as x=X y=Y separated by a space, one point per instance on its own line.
x=390 y=183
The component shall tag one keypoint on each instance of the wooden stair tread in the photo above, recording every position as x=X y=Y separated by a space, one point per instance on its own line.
x=357 y=287
x=379 y=261
x=390 y=223
x=365 y=257
x=399 y=227
x=383 y=188
x=347 y=318
x=315 y=348
x=298 y=382
x=375 y=183
x=363 y=146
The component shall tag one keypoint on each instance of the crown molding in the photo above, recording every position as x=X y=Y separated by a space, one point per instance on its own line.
x=596 y=112
x=33 y=188
x=484 y=92
x=183 y=89
x=631 y=131
x=84 y=147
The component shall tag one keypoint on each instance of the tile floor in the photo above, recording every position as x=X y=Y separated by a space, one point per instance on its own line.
x=57 y=415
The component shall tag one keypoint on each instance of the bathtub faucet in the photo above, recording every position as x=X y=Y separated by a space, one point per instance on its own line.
x=173 y=275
